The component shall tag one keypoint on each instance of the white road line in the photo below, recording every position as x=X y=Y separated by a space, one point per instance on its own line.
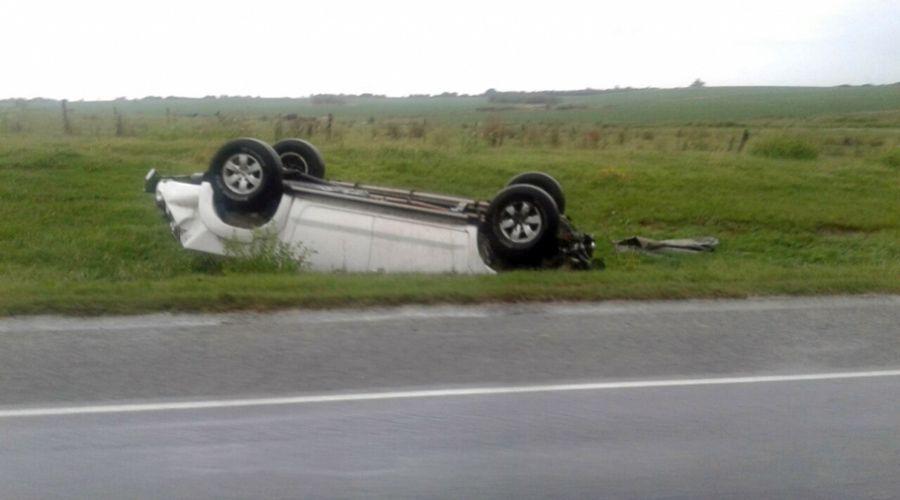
x=436 y=393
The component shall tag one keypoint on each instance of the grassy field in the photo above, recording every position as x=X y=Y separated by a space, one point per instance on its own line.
x=809 y=205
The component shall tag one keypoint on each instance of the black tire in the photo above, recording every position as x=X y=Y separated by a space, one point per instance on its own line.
x=545 y=182
x=522 y=222
x=246 y=173
x=301 y=156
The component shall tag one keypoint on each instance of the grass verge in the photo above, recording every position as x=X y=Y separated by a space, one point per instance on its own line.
x=79 y=237
x=260 y=292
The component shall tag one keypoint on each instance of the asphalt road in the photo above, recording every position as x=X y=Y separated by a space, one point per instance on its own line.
x=693 y=399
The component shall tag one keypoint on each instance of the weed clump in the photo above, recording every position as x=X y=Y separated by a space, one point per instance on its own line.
x=892 y=158
x=788 y=148
x=265 y=253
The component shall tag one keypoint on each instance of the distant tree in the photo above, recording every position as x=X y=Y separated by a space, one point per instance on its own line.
x=697 y=84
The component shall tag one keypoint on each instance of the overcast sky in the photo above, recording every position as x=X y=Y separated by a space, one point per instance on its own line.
x=105 y=49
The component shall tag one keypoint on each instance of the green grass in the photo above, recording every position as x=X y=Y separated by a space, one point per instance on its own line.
x=892 y=158
x=78 y=235
x=788 y=148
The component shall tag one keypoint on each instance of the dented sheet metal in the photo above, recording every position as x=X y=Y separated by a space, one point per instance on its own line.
x=655 y=247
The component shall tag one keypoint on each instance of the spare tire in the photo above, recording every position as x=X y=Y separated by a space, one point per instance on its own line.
x=545 y=182
x=298 y=155
x=246 y=173
x=522 y=222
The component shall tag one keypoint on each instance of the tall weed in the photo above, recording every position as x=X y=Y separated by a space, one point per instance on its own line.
x=265 y=253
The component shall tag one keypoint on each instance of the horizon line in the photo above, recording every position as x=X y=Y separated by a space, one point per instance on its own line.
x=445 y=94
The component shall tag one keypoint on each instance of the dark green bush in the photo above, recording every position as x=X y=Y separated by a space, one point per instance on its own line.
x=789 y=148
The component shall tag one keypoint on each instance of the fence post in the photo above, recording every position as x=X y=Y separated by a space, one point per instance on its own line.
x=279 y=128
x=67 y=127
x=744 y=138
x=120 y=127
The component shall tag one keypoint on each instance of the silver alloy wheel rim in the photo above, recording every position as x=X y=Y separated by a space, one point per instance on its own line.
x=521 y=222
x=294 y=161
x=242 y=173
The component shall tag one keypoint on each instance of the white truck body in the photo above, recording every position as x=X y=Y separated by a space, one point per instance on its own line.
x=338 y=235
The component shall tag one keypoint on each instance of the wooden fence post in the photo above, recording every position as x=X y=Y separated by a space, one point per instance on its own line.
x=744 y=138
x=279 y=128
x=67 y=127
x=120 y=127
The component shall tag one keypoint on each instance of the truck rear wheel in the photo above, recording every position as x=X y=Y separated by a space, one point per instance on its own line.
x=545 y=182
x=522 y=224
x=246 y=173
x=298 y=155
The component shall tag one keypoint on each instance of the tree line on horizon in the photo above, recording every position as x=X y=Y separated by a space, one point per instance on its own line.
x=492 y=95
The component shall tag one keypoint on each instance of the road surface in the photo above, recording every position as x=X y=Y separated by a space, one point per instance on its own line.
x=765 y=398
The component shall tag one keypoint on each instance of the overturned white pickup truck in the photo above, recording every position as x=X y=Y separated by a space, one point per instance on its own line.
x=252 y=188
